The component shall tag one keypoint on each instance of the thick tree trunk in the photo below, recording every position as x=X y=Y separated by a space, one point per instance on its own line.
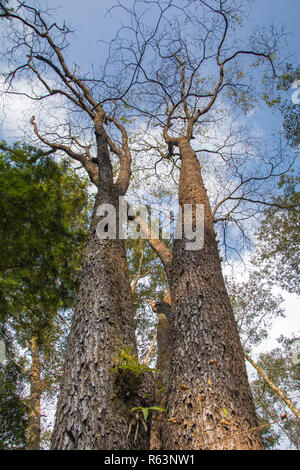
x=34 y=404
x=91 y=412
x=209 y=400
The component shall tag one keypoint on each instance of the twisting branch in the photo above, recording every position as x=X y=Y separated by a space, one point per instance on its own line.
x=241 y=198
x=271 y=204
x=158 y=245
x=63 y=320
x=124 y=155
x=45 y=60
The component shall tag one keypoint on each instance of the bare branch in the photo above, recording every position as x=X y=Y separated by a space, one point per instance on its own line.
x=90 y=167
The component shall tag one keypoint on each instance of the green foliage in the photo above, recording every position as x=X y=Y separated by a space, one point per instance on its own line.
x=255 y=307
x=42 y=229
x=140 y=416
x=145 y=411
x=127 y=361
x=44 y=209
x=225 y=411
x=13 y=411
x=128 y=370
x=290 y=111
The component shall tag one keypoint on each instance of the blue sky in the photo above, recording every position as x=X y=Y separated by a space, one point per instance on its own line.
x=92 y=23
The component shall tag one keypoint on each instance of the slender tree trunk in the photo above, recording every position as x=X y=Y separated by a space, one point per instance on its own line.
x=163 y=365
x=275 y=389
x=91 y=414
x=163 y=336
x=163 y=350
x=34 y=412
x=209 y=401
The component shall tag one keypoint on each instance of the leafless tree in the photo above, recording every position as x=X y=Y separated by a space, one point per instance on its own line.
x=196 y=64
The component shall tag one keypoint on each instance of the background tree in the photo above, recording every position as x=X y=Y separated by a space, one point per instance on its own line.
x=281 y=370
x=288 y=82
x=281 y=255
x=13 y=410
x=148 y=282
x=278 y=237
x=255 y=307
x=45 y=214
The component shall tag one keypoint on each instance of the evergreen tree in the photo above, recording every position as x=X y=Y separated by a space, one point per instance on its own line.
x=45 y=213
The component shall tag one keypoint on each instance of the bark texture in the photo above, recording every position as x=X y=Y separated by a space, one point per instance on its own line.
x=163 y=337
x=162 y=377
x=34 y=405
x=91 y=414
x=163 y=349
x=209 y=400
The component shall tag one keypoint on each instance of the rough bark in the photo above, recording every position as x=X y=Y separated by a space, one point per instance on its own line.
x=162 y=377
x=209 y=400
x=164 y=349
x=163 y=337
x=91 y=412
x=34 y=404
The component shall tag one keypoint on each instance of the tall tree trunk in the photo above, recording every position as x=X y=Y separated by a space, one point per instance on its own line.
x=34 y=411
x=209 y=400
x=163 y=350
x=163 y=337
x=91 y=412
